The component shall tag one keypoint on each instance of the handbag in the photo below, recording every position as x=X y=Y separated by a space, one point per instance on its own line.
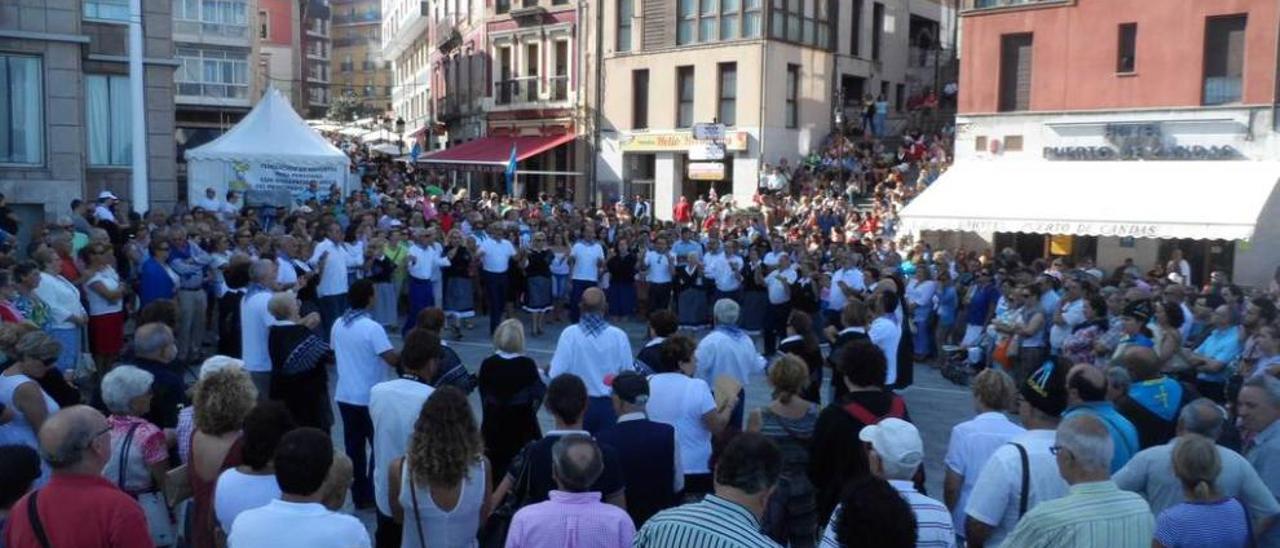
x=494 y=532
x=159 y=521
x=177 y=485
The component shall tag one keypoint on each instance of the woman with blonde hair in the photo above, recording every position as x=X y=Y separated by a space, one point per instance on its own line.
x=1207 y=518
x=511 y=389
x=440 y=489
x=973 y=441
x=222 y=400
x=34 y=356
x=789 y=420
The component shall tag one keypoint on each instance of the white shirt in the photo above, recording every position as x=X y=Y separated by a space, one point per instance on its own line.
x=932 y=521
x=778 y=284
x=283 y=524
x=358 y=349
x=995 y=497
x=681 y=401
x=394 y=407
x=333 y=279
x=658 y=267
x=972 y=443
x=885 y=333
x=423 y=262
x=771 y=258
x=98 y=304
x=720 y=353
x=727 y=268
x=287 y=271
x=587 y=258
x=255 y=323
x=851 y=277
x=1073 y=314
x=63 y=299
x=212 y=205
x=103 y=213
x=237 y=491
x=495 y=254
x=592 y=358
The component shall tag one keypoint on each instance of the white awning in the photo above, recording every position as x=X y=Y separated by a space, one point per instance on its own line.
x=1197 y=200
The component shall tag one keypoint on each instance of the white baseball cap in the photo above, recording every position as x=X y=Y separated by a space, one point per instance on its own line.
x=896 y=441
x=107 y=194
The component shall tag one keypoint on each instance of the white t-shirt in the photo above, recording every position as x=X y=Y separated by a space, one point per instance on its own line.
x=1073 y=314
x=587 y=257
x=423 y=261
x=255 y=321
x=358 y=349
x=592 y=358
x=721 y=353
x=995 y=497
x=237 y=491
x=972 y=443
x=777 y=282
x=394 y=407
x=658 y=267
x=282 y=524
x=851 y=277
x=97 y=304
x=333 y=276
x=496 y=254
x=681 y=401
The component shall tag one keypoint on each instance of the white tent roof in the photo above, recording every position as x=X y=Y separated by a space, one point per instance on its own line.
x=1168 y=199
x=272 y=131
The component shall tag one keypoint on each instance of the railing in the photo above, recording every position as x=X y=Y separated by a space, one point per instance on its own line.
x=218 y=91
x=523 y=89
x=1220 y=90
x=972 y=5
x=356 y=40
x=222 y=30
x=366 y=17
x=560 y=88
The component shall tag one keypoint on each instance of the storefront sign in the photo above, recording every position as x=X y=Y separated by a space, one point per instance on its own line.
x=708 y=132
x=703 y=152
x=1095 y=228
x=1140 y=141
x=706 y=171
x=678 y=141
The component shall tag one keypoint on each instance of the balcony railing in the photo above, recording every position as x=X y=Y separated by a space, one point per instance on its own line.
x=218 y=91
x=447 y=36
x=217 y=30
x=974 y=5
x=365 y=17
x=523 y=89
x=560 y=88
x=1221 y=90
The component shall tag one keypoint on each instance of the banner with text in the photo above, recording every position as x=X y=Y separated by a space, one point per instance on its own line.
x=280 y=177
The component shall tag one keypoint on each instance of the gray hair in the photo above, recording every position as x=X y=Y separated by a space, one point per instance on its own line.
x=576 y=474
x=1267 y=384
x=726 y=312
x=1118 y=378
x=1088 y=440
x=214 y=364
x=70 y=449
x=1202 y=416
x=37 y=345
x=260 y=270
x=122 y=385
x=151 y=339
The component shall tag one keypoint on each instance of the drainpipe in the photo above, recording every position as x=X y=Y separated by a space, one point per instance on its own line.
x=593 y=184
x=139 y=194
x=764 y=75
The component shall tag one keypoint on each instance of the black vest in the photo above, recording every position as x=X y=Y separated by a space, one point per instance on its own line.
x=647 y=451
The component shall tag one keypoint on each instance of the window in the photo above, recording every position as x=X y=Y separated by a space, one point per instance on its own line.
x=107 y=123
x=980 y=143
x=684 y=96
x=212 y=73
x=877 y=29
x=793 y=96
x=899 y=96
x=751 y=18
x=504 y=76
x=640 y=99
x=502 y=6
x=626 y=10
x=1015 y=72
x=264 y=25
x=727 y=109
x=110 y=10
x=21 y=120
x=688 y=22
x=707 y=22
x=855 y=28
x=1013 y=143
x=532 y=72
x=560 y=82
x=802 y=21
x=1223 y=58
x=729 y=19
x=1127 y=47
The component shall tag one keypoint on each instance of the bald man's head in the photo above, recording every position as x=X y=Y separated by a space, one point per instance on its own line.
x=1086 y=383
x=1142 y=362
x=75 y=438
x=593 y=301
x=576 y=463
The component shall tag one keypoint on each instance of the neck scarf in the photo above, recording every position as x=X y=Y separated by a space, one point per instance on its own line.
x=593 y=324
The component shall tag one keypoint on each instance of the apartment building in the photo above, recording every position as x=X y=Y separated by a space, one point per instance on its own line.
x=406 y=44
x=357 y=68
x=280 y=48
x=317 y=45
x=65 y=124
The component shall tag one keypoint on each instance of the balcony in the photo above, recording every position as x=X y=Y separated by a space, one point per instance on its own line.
x=373 y=16
x=983 y=5
x=1221 y=90
x=528 y=89
x=560 y=88
x=211 y=33
x=447 y=36
x=400 y=30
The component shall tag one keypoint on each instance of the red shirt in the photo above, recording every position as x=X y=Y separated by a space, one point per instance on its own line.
x=69 y=270
x=684 y=211
x=85 y=511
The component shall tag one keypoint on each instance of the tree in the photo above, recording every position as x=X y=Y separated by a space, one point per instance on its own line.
x=345 y=108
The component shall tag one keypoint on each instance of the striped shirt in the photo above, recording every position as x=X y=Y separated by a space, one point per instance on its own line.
x=712 y=523
x=933 y=521
x=1092 y=514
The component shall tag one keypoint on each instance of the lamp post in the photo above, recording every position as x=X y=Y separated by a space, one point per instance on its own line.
x=400 y=134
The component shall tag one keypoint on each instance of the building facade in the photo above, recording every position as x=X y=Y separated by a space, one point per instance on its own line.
x=1032 y=91
x=317 y=46
x=357 y=68
x=279 y=48
x=65 y=104
x=406 y=44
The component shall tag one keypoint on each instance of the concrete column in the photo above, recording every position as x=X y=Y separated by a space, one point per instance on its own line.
x=668 y=183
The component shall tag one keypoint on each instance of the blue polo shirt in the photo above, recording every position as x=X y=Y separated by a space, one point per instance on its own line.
x=976 y=313
x=1123 y=434
x=1222 y=345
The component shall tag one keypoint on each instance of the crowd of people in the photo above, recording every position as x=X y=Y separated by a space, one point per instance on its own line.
x=171 y=379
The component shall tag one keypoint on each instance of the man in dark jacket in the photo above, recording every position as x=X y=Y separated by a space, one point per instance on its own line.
x=647 y=449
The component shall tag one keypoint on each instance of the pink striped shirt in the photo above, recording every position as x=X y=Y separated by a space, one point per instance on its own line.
x=571 y=520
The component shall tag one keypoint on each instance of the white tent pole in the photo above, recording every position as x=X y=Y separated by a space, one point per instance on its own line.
x=138 y=191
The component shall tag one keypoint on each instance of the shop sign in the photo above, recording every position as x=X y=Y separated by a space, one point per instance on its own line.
x=703 y=152
x=1140 y=141
x=677 y=141
x=708 y=132
x=706 y=171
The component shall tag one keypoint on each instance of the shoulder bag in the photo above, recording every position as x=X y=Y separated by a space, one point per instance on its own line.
x=494 y=532
x=159 y=520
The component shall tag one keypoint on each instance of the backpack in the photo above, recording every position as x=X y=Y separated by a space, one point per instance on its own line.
x=897 y=410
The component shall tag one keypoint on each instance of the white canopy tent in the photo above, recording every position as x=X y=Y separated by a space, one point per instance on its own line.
x=1172 y=199
x=271 y=150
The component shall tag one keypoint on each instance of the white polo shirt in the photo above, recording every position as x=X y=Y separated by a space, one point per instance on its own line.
x=972 y=443
x=586 y=258
x=592 y=358
x=333 y=280
x=255 y=322
x=996 y=495
x=496 y=254
x=423 y=261
x=886 y=334
x=720 y=353
x=282 y=524
x=851 y=277
x=681 y=401
x=358 y=349
x=658 y=267
x=728 y=268
x=777 y=284
x=394 y=407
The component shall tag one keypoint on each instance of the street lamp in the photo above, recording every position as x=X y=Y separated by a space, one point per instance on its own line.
x=400 y=134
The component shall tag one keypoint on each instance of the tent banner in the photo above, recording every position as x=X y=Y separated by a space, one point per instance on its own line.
x=277 y=176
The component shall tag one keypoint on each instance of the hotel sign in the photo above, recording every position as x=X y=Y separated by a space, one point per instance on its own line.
x=678 y=141
x=1140 y=141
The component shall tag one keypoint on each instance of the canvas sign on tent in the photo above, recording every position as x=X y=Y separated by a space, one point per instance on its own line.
x=272 y=156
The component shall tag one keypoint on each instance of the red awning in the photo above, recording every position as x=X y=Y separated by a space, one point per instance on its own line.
x=496 y=151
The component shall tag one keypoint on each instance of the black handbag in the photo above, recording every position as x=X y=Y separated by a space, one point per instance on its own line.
x=494 y=532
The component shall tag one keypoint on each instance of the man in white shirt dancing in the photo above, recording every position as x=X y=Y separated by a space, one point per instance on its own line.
x=728 y=351
x=331 y=259
x=593 y=350
x=423 y=261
